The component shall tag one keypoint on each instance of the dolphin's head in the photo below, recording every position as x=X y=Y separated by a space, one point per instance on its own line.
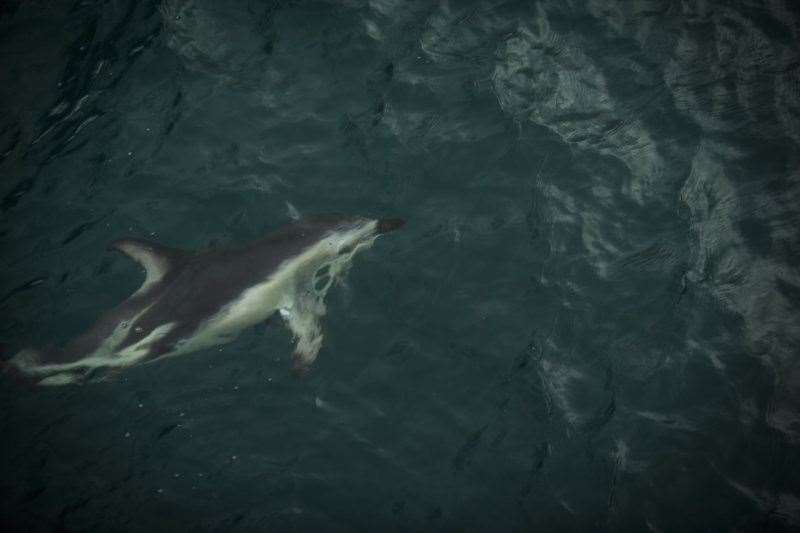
x=340 y=222
x=360 y=227
x=385 y=225
x=345 y=234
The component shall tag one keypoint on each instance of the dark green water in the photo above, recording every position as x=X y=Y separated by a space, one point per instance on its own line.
x=590 y=322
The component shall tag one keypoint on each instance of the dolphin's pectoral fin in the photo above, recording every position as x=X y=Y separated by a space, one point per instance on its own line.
x=156 y=260
x=303 y=319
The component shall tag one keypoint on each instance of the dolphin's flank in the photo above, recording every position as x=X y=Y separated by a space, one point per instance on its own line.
x=193 y=300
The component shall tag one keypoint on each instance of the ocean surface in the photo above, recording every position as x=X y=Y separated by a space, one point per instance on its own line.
x=591 y=321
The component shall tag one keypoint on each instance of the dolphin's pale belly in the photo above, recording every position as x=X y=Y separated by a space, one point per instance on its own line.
x=253 y=306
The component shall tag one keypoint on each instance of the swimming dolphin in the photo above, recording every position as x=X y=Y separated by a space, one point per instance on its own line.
x=193 y=300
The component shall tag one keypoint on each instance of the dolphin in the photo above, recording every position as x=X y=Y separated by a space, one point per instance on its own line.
x=191 y=300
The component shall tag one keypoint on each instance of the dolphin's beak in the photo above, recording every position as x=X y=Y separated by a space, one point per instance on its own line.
x=385 y=225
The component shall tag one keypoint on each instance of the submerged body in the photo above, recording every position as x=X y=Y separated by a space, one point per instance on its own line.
x=193 y=300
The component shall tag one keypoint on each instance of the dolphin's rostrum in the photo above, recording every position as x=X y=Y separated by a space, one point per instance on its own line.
x=193 y=300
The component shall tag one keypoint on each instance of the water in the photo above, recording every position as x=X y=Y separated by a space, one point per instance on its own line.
x=589 y=323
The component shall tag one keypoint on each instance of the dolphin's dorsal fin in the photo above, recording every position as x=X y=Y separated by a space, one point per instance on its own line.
x=156 y=259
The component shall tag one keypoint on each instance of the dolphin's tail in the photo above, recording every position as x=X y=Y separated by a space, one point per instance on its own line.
x=14 y=368
x=40 y=367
